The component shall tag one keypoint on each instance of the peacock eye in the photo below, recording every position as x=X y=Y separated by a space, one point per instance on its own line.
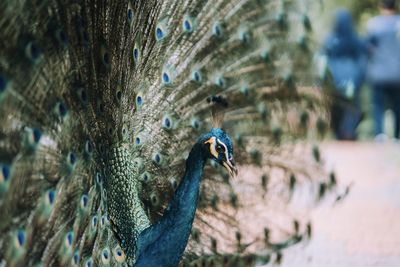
x=220 y=149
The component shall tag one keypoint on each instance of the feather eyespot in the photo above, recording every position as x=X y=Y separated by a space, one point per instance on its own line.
x=104 y=221
x=136 y=54
x=161 y=30
x=51 y=194
x=244 y=36
x=139 y=100
x=98 y=178
x=32 y=137
x=105 y=256
x=3 y=83
x=130 y=15
x=69 y=239
x=88 y=147
x=5 y=173
x=155 y=200
x=157 y=158
x=124 y=133
x=82 y=95
x=159 y=33
x=89 y=263
x=138 y=164
x=106 y=59
x=188 y=24
x=220 y=81
x=266 y=55
x=61 y=109
x=119 y=254
x=137 y=140
x=94 y=222
x=245 y=91
x=61 y=38
x=84 y=201
x=217 y=30
x=165 y=78
x=33 y=51
x=167 y=122
x=20 y=238
x=145 y=177
x=75 y=259
x=196 y=76
x=118 y=95
x=105 y=56
x=195 y=123
x=71 y=158
x=37 y=134
x=71 y=161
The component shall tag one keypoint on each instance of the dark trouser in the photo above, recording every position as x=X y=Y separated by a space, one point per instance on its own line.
x=346 y=116
x=389 y=92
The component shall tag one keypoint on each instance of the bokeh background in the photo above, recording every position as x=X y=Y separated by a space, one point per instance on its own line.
x=362 y=11
x=363 y=229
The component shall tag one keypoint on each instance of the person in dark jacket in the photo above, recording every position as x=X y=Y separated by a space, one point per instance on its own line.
x=384 y=66
x=347 y=57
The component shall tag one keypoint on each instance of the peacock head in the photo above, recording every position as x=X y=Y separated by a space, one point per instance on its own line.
x=220 y=148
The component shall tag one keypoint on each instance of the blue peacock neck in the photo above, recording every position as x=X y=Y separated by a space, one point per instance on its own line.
x=163 y=244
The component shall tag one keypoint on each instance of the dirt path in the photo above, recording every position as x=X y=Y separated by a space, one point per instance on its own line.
x=364 y=229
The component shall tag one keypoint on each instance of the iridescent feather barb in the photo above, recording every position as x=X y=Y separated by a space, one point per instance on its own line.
x=101 y=104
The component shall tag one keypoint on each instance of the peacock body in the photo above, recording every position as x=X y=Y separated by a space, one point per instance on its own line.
x=101 y=103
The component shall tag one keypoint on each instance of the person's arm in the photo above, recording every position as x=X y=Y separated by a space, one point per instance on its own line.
x=371 y=42
x=327 y=46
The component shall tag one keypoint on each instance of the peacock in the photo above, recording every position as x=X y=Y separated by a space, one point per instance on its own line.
x=119 y=121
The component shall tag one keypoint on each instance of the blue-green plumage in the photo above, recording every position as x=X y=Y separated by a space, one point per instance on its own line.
x=100 y=104
x=162 y=244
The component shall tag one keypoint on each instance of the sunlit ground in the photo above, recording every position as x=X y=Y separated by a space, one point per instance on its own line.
x=363 y=229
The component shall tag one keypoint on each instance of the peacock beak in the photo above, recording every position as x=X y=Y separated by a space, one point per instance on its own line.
x=230 y=166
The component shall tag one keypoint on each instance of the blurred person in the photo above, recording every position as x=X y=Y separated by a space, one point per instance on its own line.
x=346 y=55
x=384 y=66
